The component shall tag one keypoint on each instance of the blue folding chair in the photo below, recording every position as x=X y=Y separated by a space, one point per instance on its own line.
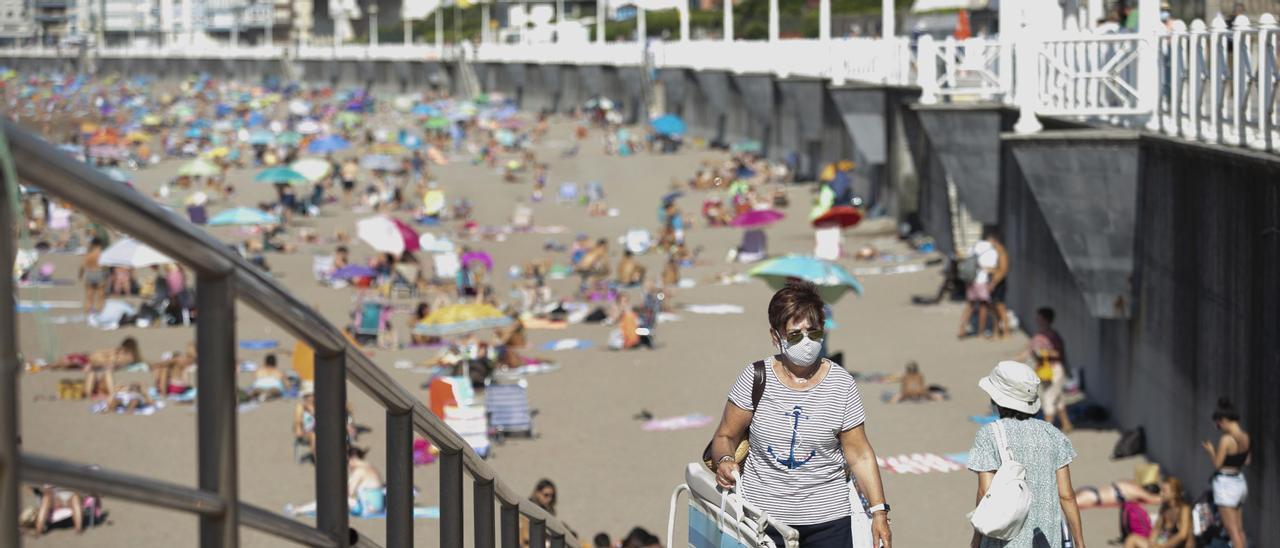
x=509 y=412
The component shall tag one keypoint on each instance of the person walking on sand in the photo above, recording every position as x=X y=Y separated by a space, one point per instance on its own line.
x=1044 y=452
x=807 y=432
x=1229 y=456
x=94 y=278
x=996 y=287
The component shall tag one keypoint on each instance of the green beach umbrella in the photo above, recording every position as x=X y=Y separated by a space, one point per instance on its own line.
x=289 y=138
x=199 y=168
x=437 y=123
x=280 y=175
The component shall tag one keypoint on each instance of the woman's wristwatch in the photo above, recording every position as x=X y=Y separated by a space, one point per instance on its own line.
x=882 y=507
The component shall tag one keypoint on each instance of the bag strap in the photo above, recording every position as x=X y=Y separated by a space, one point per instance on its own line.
x=757 y=385
x=1002 y=441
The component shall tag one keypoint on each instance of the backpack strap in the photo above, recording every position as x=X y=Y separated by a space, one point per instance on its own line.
x=757 y=384
x=1002 y=441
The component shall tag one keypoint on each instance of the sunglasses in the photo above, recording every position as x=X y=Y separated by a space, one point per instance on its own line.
x=815 y=335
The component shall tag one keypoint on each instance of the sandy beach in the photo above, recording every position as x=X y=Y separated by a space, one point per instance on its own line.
x=611 y=474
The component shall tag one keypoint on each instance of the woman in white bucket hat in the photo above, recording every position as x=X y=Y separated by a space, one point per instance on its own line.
x=1043 y=450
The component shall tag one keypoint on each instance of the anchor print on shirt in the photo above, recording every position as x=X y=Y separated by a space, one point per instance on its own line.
x=791 y=462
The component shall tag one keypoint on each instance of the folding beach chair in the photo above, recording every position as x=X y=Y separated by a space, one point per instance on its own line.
x=321 y=266
x=522 y=218
x=568 y=193
x=404 y=281
x=509 y=411
x=753 y=247
x=371 y=322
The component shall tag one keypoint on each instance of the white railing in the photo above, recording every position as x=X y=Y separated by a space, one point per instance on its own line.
x=1213 y=83
x=1218 y=83
x=1090 y=76
x=978 y=67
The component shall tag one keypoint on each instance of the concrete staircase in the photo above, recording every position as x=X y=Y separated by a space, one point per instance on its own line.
x=468 y=82
x=965 y=230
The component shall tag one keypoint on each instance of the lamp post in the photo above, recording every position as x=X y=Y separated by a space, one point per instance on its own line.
x=373 y=22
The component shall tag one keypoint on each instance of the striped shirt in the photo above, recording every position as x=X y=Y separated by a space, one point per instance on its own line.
x=795 y=471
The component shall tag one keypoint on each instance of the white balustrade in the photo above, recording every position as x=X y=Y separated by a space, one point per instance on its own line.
x=1207 y=82
x=1218 y=82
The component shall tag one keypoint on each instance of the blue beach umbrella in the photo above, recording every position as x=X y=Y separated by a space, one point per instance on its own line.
x=833 y=280
x=244 y=216
x=328 y=144
x=668 y=124
x=261 y=137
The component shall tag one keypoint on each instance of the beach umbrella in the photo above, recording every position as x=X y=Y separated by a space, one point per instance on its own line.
x=280 y=175
x=456 y=319
x=843 y=216
x=832 y=280
x=194 y=133
x=137 y=137
x=410 y=141
x=131 y=253
x=353 y=271
x=289 y=138
x=314 y=169
x=747 y=146
x=387 y=235
x=261 y=137
x=243 y=216
x=434 y=244
x=436 y=123
x=218 y=152
x=308 y=127
x=757 y=218
x=298 y=107
x=152 y=120
x=199 y=167
x=668 y=124
x=328 y=144
x=349 y=119
x=424 y=111
x=505 y=138
x=378 y=162
x=477 y=256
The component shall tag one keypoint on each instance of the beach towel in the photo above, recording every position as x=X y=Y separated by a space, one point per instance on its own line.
x=99 y=408
x=682 y=422
x=567 y=344
x=258 y=344
x=714 y=309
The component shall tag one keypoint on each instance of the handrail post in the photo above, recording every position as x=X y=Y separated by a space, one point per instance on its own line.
x=557 y=540
x=331 y=444
x=216 y=406
x=510 y=525
x=399 y=480
x=537 y=532
x=9 y=486
x=451 y=512
x=482 y=492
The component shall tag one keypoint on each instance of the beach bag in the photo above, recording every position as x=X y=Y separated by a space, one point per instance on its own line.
x=860 y=518
x=1132 y=442
x=1004 y=507
x=744 y=447
x=1044 y=370
x=1134 y=520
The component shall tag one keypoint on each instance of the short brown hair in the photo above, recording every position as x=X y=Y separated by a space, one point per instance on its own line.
x=796 y=301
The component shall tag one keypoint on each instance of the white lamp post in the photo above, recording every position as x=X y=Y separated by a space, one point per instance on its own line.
x=728 y=20
x=373 y=22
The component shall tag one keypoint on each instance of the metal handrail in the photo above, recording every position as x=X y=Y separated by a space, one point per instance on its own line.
x=223 y=275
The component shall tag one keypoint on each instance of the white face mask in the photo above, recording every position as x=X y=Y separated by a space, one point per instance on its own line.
x=805 y=353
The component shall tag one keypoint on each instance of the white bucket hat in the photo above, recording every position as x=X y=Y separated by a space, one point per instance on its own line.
x=1013 y=385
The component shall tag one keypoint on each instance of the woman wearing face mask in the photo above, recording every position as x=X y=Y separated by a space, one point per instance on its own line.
x=806 y=433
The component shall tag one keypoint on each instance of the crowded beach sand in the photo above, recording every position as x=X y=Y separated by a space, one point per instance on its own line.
x=612 y=473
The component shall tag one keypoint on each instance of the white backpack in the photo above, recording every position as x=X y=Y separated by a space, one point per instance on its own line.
x=1004 y=507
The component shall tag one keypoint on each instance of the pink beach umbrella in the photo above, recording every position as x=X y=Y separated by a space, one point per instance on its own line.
x=757 y=218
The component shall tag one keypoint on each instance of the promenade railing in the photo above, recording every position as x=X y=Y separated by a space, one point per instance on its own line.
x=222 y=277
x=1213 y=82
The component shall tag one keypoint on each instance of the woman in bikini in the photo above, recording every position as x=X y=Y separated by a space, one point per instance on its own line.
x=1117 y=493
x=1173 y=526
x=100 y=364
x=95 y=279
x=1229 y=456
